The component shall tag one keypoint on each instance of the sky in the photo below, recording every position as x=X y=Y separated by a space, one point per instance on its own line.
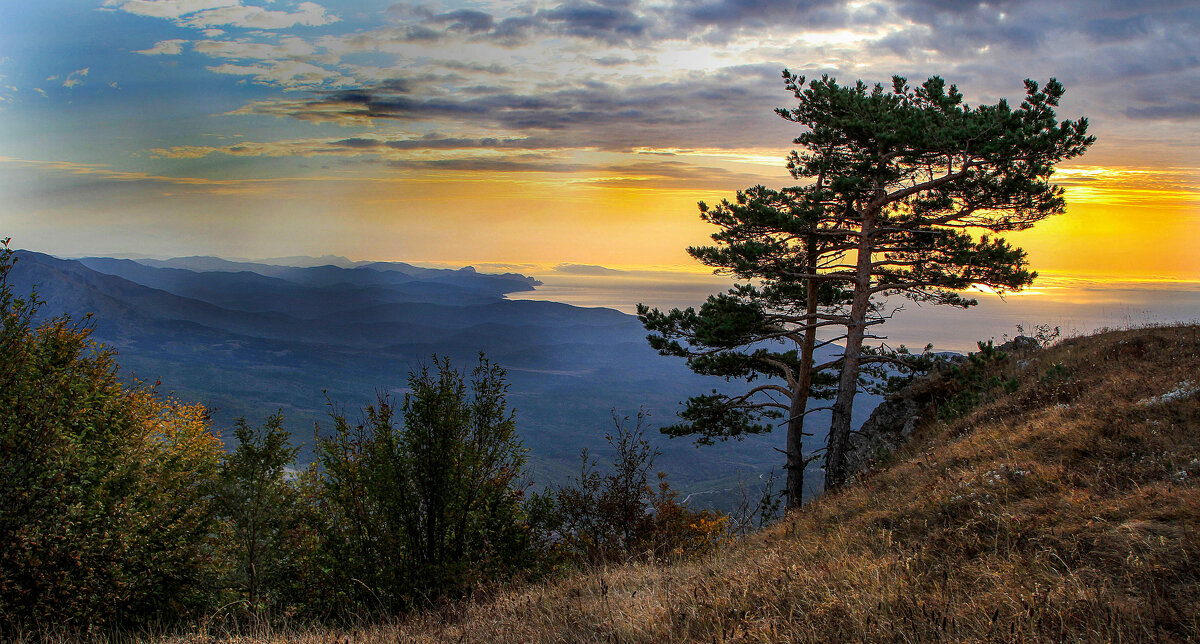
x=566 y=139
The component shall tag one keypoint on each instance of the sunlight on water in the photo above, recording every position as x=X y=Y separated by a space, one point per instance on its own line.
x=1076 y=304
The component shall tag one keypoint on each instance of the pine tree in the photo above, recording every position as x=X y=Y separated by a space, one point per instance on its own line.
x=896 y=183
x=763 y=331
x=908 y=175
x=432 y=507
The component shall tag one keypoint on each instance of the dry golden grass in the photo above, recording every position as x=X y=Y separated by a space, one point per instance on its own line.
x=1066 y=511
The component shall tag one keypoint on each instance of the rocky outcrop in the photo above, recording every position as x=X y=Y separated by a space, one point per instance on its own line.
x=893 y=422
x=891 y=425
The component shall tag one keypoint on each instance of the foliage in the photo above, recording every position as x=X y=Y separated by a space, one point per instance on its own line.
x=618 y=515
x=258 y=505
x=903 y=177
x=429 y=509
x=755 y=509
x=762 y=331
x=973 y=382
x=1024 y=521
x=105 y=488
x=1043 y=334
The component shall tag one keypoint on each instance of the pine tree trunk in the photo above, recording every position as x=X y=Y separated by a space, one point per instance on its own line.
x=795 y=435
x=795 y=448
x=839 y=428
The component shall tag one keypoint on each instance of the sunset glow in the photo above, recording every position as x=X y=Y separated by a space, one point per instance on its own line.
x=542 y=133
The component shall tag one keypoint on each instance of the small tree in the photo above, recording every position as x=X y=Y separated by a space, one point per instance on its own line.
x=257 y=502
x=430 y=508
x=906 y=175
x=618 y=515
x=764 y=330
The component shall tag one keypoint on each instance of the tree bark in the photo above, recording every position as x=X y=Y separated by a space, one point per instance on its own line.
x=795 y=428
x=839 y=428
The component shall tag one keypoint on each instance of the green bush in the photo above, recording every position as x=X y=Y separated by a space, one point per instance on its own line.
x=431 y=508
x=258 y=509
x=105 y=488
x=618 y=515
x=974 y=382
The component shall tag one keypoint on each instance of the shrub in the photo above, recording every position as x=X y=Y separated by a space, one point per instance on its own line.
x=618 y=516
x=429 y=509
x=105 y=488
x=258 y=508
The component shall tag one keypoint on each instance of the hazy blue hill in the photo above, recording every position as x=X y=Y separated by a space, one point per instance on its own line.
x=359 y=273
x=247 y=342
x=240 y=290
x=205 y=263
x=243 y=290
x=303 y=260
x=68 y=286
x=512 y=312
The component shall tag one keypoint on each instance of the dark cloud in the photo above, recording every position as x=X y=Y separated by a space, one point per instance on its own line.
x=458 y=65
x=514 y=30
x=633 y=22
x=1177 y=111
x=438 y=142
x=611 y=61
x=642 y=176
x=669 y=170
x=357 y=143
x=419 y=33
x=611 y=24
x=949 y=26
x=489 y=164
x=757 y=13
x=727 y=108
x=468 y=20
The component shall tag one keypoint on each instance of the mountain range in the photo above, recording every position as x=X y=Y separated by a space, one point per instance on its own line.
x=247 y=338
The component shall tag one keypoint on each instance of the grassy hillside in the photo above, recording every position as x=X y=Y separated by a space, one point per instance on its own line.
x=1065 y=511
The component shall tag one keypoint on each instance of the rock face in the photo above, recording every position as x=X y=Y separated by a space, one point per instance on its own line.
x=891 y=425
x=893 y=422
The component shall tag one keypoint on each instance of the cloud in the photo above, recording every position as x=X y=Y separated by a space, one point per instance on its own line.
x=489 y=165
x=730 y=107
x=105 y=173
x=610 y=22
x=1189 y=110
x=310 y=14
x=467 y=20
x=736 y=14
x=172 y=47
x=171 y=9
x=665 y=169
x=202 y=14
x=586 y=269
x=356 y=146
x=74 y=78
x=638 y=23
x=289 y=47
x=287 y=73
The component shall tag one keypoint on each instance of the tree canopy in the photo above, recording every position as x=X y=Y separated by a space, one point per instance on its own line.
x=903 y=191
x=911 y=176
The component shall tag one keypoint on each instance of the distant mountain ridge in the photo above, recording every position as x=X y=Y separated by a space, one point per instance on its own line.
x=316 y=270
x=248 y=338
